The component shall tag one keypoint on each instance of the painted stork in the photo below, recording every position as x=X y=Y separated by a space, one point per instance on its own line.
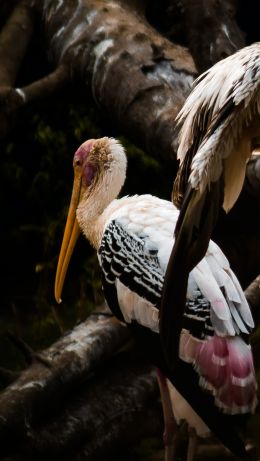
x=220 y=126
x=214 y=381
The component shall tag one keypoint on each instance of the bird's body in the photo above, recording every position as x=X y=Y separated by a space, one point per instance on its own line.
x=134 y=238
x=220 y=126
x=133 y=256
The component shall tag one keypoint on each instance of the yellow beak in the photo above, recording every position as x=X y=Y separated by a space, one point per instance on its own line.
x=70 y=237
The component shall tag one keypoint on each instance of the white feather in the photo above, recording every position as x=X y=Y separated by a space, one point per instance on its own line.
x=232 y=83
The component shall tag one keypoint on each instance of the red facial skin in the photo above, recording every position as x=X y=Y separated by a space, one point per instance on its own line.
x=81 y=159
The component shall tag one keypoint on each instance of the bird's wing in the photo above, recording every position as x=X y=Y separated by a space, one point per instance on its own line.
x=222 y=104
x=129 y=262
x=214 y=147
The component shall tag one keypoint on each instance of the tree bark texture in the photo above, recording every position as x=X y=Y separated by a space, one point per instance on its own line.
x=69 y=360
x=102 y=415
x=212 y=31
x=136 y=75
x=15 y=37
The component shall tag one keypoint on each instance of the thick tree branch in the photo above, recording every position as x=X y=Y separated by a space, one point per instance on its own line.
x=12 y=99
x=14 y=39
x=44 y=87
x=136 y=75
x=70 y=360
x=112 y=409
x=212 y=31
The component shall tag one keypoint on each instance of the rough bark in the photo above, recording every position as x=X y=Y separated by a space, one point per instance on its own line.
x=136 y=75
x=209 y=29
x=139 y=77
x=65 y=363
x=15 y=37
x=212 y=31
x=112 y=409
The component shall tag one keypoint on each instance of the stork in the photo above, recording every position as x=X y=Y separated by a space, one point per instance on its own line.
x=214 y=381
x=220 y=126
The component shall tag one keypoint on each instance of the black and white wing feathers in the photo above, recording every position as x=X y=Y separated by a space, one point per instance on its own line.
x=132 y=260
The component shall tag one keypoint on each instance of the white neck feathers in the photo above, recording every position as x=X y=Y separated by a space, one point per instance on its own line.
x=105 y=189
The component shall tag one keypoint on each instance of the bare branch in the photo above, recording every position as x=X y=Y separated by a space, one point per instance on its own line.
x=45 y=86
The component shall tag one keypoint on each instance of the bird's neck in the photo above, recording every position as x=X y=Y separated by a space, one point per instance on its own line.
x=93 y=210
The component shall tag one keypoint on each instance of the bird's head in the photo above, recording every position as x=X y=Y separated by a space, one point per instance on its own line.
x=99 y=174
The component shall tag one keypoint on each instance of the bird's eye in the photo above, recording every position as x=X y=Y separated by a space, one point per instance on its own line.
x=77 y=164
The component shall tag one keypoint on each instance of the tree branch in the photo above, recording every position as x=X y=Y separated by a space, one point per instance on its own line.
x=14 y=39
x=212 y=31
x=45 y=86
x=136 y=75
x=72 y=358
x=110 y=410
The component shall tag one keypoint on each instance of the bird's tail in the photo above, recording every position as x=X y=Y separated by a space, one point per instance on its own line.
x=226 y=369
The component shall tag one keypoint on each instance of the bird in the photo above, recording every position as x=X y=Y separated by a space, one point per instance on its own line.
x=219 y=128
x=214 y=383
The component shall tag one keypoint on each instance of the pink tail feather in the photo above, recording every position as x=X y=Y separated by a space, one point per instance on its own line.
x=225 y=366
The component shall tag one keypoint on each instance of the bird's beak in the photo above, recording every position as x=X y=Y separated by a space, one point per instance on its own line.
x=71 y=234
